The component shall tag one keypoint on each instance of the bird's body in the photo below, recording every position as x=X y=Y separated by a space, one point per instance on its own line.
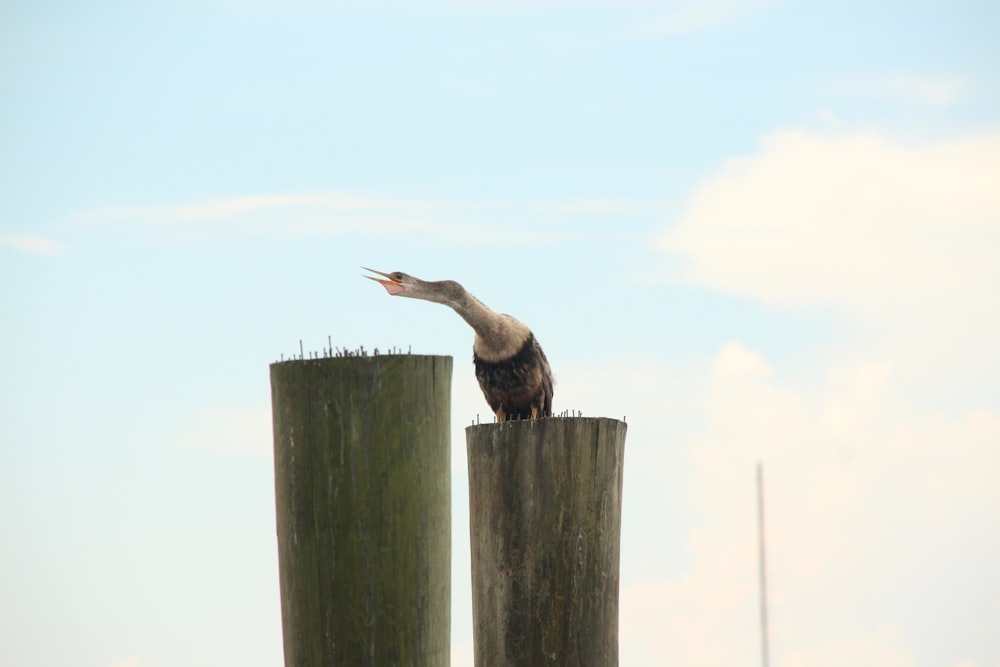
x=510 y=365
x=520 y=386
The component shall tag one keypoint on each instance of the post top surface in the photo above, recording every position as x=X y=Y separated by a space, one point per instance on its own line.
x=546 y=421
x=370 y=358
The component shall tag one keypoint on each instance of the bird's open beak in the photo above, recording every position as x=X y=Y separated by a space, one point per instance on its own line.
x=391 y=285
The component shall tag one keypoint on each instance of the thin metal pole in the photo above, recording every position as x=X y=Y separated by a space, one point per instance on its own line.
x=765 y=651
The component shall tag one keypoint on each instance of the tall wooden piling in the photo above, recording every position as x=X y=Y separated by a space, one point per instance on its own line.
x=545 y=523
x=363 y=491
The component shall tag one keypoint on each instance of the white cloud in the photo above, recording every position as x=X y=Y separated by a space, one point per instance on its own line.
x=462 y=656
x=687 y=17
x=322 y=214
x=856 y=221
x=902 y=90
x=295 y=214
x=881 y=647
x=33 y=245
x=926 y=90
x=697 y=620
x=236 y=207
x=866 y=498
x=870 y=494
x=903 y=241
x=130 y=661
x=735 y=359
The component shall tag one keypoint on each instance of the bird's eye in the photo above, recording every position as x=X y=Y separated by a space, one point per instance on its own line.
x=397 y=276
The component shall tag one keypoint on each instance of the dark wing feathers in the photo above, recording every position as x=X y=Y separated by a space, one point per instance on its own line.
x=518 y=384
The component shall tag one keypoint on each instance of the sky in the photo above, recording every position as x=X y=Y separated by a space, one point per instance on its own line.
x=758 y=230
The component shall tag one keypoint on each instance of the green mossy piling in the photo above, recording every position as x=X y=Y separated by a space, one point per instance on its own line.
x=363 y=494
x=545 y=525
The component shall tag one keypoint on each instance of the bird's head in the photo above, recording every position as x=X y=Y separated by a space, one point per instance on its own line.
x=395 y=283
x=398 y=283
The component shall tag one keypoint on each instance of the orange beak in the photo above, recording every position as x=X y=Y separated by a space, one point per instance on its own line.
x=391 y=285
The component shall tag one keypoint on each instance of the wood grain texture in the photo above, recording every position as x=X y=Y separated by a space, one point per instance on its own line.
x=545 y=526
x=363 y=495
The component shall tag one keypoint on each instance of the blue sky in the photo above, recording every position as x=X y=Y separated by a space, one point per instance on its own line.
x=761 y=230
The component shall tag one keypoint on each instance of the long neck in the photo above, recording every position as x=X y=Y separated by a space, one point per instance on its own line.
x=498 y=336
x=486 y=322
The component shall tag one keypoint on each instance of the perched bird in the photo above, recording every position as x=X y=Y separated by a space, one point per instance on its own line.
x=510 y=365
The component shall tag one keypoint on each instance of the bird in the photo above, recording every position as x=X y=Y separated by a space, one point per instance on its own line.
x=511 y=367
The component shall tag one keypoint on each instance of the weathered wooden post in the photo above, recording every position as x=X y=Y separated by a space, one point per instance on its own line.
x=363 y=492
x=545 y=523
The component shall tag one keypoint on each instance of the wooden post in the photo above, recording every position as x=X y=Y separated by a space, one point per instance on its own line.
x=545 y=522
x=363 y=491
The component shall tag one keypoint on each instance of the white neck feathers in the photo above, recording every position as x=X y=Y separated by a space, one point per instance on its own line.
x=498 y=336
